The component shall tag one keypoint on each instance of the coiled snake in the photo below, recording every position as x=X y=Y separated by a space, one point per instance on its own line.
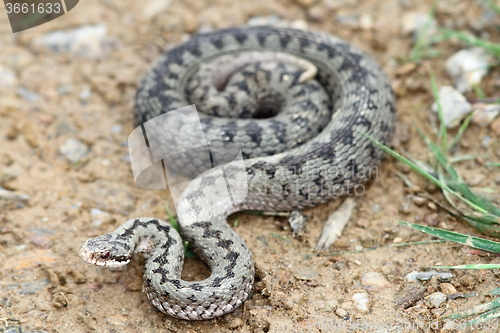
x=348 y=96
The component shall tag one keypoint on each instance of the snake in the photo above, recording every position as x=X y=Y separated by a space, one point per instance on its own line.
x=310 y=93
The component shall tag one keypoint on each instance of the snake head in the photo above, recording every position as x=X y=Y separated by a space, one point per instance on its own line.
x=106 y=250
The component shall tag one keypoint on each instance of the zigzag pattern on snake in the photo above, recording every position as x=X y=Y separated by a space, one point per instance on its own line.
x=350 y=95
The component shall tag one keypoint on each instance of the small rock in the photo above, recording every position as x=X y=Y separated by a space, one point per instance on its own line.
x=448 y=289
x=366 y=22
x=33 y=287
x=454 y=106
x=344 y=314
x=154 y=7
x=406 y=69
x=299 y=24
x=405 y=208
x=99 y=217
x=376 y=209
x=484 y=114
x=190 y=22
x=235 y=323
x=436 y=299
x=495 y=127
x=9 y=195
x=424 y=276
x=264 y=20
x=85 y=93
x=467 y=67
x=90 y=41
x=432 y=206
x=419 y=201
x=414 y=23
x=431 y=219
x=27 y=95
x=116 y=128
x=485 y=142
x=375 y=281
x=316 y=13
x=305 y=274
x=361 y=301
x=74 y=150
x=64 y=89
x=351 y=20
x=8 y=78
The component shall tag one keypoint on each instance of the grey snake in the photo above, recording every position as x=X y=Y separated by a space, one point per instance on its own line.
x=302 y=140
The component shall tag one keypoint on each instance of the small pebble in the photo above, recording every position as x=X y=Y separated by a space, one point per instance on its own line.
x=419 y=201
x=8 y=78
x=453 y=105
x=495 y=126
x=342 y=313
x=424 y=276
x=366 y=22
x=64 y=89
x=436 y=299
x=361 y=302
x=90 y=41
x=351 y=20
x=467 y=67
x=85 y=93
x=376 y=209
x=33 y=287
x=484 y=114
x=153 y=7
x=431 y=219
x=27 y=95
x=74 y=150
x=432 y=206
x=375 y=281
x=235 y=323
x=99 y=217
x=485 y=142
x=116 y=128
x=317 y=13
x=448 y=289
x=405 y=208
x=264 y=20
x=415 y=22
x=9 y=195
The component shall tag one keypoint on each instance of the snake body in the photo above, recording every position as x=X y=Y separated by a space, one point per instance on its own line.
x=349 y=96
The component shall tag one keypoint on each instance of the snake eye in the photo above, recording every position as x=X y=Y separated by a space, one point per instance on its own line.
x=104 y=255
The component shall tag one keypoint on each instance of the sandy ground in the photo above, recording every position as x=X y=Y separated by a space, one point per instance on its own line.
x=54 y=97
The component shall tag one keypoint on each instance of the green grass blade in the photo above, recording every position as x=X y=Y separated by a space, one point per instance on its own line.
x=421 y=42
x=470 y=39
x=471 y=241
x=475 y=310
x=461 y=131
x=443 y=135
x=175 y=224
x=476 y=266
x=495 y=313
